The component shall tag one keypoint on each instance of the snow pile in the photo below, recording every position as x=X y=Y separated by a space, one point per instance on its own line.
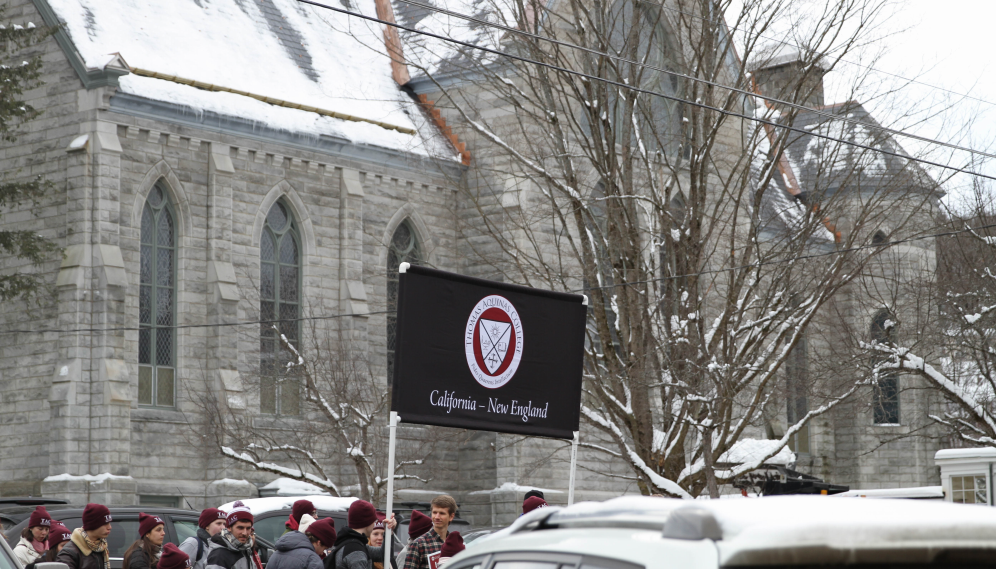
x=920 y=492
x=260 y=505
x=752 y=450
x=279 y=48
x=513 y=487
x=291 y=487
x=86 y=477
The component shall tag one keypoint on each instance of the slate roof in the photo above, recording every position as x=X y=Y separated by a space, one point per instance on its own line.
x=823 y=167
x=280 y=49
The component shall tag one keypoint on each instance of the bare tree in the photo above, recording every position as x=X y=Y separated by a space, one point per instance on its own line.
x=626 y=168
x=958 y=355
x=332 y=428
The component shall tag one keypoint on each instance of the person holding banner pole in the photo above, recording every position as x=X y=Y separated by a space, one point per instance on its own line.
x=351 y=550
x=423 y=553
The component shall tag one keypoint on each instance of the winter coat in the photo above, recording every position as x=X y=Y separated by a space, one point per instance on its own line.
x=72 y=556
x=352 y=552
x=201 y=541
x=227 y=556
x=25 y=552
x=294 y=551
x=139 y=560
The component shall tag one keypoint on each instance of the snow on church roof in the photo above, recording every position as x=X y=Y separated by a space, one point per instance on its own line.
x=273 y=48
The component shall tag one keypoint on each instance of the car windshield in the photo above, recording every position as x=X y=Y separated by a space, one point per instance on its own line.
x=6 y=562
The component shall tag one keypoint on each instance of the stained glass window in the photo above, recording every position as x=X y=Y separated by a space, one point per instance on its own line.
x=404 y=248
x=280 y=311
x=157 y=302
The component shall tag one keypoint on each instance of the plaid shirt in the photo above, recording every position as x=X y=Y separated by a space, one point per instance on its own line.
x=420 y=550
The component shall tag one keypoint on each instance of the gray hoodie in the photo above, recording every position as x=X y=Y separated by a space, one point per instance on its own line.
x=294 y=551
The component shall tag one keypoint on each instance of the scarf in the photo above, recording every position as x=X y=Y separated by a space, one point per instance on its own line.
x=40 y=546
x=231 y=542
x=88 y=546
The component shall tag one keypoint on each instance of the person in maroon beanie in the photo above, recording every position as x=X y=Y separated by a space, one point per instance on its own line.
x=33 y=543
x=351 y=549
x=58 y=537
x=234 y=546
x=299 y=508
x=197 y=547
x=418 y=524
x=532 y=503
x=423 y=553
x=88 y=547
x=322 y=536
x=173 y=558
x=452 y=546
x=143 y=553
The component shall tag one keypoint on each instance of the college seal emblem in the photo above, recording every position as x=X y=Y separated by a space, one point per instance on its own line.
x=493 y=341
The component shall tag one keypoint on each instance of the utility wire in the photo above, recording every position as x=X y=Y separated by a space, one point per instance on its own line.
x=650 y=92
x=794 y=259
x=745 y=92
x=332 y=316
x=182 y=326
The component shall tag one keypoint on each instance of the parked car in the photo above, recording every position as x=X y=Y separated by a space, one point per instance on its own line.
x=179 y=524
x=785 y=532
x=7 y=559
x=15 y=509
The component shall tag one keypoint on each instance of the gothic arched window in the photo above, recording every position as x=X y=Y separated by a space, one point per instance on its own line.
x=885 y=396
x=157 y=303
x=280 y=307
x=404 y=248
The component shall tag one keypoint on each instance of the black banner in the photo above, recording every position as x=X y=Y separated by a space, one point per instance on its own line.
x=478 y=354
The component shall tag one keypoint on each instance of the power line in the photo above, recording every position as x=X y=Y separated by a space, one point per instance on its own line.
x=794 y=259
x=184 y=326
x=745 y=92
x=650 y=92
x=333 y=316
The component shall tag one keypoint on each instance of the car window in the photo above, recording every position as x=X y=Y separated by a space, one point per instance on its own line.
x=6 y=562
x=271 y=528
x=184 y=529
x=123 y=533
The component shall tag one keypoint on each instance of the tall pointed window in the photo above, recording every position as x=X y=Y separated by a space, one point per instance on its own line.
x=885 y=397
x=280 y=307
x=157 y=303
x=404 y=248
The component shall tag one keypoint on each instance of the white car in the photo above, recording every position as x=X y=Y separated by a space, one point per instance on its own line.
x=781 y=531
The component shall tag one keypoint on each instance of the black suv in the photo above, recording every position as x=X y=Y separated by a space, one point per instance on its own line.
x=13 y=510
x=180 y=524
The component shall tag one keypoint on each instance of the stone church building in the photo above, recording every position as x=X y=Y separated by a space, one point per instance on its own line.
x=227 y=161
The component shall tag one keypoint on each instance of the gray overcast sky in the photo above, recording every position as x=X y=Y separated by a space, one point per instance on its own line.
x=943 y=46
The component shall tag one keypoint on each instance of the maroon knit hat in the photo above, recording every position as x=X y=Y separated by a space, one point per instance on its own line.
x=452 y=545
x=40 y=517
x=418 y=525
x=300 y=508
x=532 y=503
x=324 y=530
x=147 y=523
x=379 y=524
x=209 y=515
x=361 y=514
x=95 y=515
x=240 y=512
x=58 y=534
x=173 y=558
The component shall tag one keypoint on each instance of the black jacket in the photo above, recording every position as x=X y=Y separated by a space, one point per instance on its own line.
x=224 y=557
x=352 y=552
x=138 y=560
x=74 y=558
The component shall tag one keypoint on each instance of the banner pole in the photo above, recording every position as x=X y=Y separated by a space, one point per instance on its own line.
x=574 y=465
x=393 y=427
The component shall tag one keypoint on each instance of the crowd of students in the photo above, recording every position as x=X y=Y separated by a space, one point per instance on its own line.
x=225 y=540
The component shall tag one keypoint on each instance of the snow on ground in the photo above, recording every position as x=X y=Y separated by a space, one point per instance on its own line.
x=750 y=450
x=85 y=477
x=279 y=48
x=260 y=505
x=513 y=487
x=290 y=487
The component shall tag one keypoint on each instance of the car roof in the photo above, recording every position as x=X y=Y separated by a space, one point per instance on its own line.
x=763 y=531
x=260 y=506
